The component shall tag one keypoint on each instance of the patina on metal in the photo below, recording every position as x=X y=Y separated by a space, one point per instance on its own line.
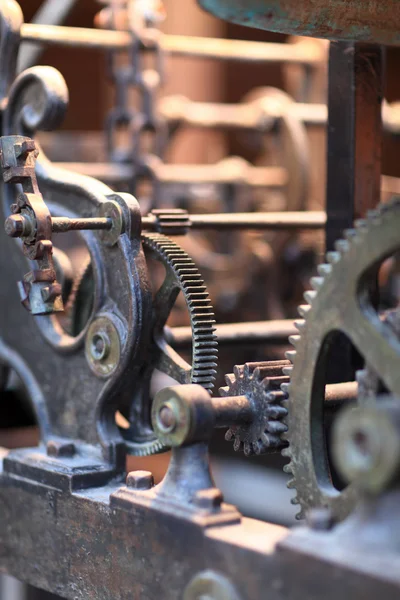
x=346 y=284
x=375 y=21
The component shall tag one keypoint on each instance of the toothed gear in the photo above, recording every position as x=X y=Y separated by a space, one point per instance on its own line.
x=260 y=382
x=183 y=276
x=341 y=301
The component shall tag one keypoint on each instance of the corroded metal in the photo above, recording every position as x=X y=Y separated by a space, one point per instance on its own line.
x=350 y=20
x=346 y=285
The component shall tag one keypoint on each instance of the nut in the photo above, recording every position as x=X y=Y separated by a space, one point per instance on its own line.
x=140 y=480
x=210 y=499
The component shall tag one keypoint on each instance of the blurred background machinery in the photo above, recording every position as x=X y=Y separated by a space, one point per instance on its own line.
x=220 y=132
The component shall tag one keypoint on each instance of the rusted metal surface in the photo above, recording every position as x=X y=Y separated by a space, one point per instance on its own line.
x=93 y=532
x=349 y=20
x=354 y=135
x=130 y=545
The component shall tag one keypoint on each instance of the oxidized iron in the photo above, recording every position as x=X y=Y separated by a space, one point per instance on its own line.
x=72 y=521
x=376 y=21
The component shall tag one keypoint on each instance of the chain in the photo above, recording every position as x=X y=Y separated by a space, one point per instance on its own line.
x=135 y=134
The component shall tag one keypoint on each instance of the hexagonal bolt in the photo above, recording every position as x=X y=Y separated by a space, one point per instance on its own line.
x=15 y=226
x=60 y=449
x=140 y=480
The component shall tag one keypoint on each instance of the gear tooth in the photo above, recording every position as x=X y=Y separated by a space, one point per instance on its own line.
x=230 y=380
x=288 y=469
x=250 y=370
x=285 y=387
x=303 y=310
x=360 y=223
x=294 y=339
x=310 y=296
x=229 y=435
x=275 y=427
x=248 y=449
x=291 y=484
x=372 y=213
x=224 y=391
x=286 y=453
x=317 y=283
x=191 y=283
x=299 y=324
x=258 y=447
x=287 y=371
x=333 y=257
x=349 y=234
x=237 y=444
x=342 y=246
x=324 y=269
x=238 y=371
x=295 y=501
x=290 y=355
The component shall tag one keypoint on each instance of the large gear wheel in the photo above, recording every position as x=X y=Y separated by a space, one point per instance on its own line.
x=181 y=275
x=260 y=382
x=342 y=300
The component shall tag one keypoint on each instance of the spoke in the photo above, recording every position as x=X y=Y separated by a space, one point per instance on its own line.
x=172 y=364
x=164 y=301
x=377 y=343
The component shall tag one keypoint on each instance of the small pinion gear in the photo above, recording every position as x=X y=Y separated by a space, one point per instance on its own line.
x=260 y=382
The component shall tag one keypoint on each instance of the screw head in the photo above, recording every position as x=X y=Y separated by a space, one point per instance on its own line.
x=103 y=346
x=140 y=480
x=100 y=345
x=14 y=226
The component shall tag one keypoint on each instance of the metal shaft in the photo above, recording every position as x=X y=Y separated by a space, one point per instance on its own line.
x=63 y=224
x=273 y=221
x=257 y=116
x=22 y=226
x=238 y=333
x=180 y=45
x=238 y=409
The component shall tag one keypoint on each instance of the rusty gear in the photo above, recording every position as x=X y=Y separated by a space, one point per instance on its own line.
x=260 y=382
x=342 y=300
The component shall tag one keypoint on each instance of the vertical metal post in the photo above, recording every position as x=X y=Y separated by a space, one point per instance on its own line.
x=354 y=134
x=354 y=142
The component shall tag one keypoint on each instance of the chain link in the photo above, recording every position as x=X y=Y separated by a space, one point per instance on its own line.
x=143 y=132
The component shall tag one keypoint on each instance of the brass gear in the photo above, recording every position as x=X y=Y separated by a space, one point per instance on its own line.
x=341 y=301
